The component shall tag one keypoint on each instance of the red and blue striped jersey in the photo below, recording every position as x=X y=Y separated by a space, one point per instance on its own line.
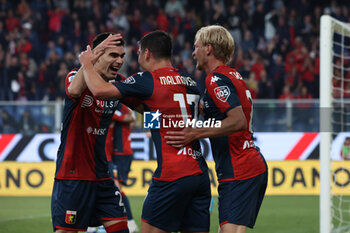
x=175 y=97
x=81 y=154
x=121 y=139
x=118 y=140
x=235 y=155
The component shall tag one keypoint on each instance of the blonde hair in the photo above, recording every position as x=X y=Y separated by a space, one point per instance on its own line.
x=220 y=39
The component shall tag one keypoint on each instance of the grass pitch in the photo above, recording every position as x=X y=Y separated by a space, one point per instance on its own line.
x=278 y=214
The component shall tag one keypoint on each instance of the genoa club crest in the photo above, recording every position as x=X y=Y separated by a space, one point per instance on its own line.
x=71 y=216
x=222 y=93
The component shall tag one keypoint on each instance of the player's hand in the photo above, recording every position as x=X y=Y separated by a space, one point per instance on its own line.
x=87 y=57
x=109 y=42
x=179 y=139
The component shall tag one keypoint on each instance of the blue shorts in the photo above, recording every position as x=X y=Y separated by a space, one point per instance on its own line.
x=77 y=204
x=180 y=205
x=122 y=164
x=240 y=200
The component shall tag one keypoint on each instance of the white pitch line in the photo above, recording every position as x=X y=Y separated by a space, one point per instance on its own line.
x=23 y=218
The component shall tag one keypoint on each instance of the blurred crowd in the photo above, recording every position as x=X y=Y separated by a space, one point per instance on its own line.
x=277 y=41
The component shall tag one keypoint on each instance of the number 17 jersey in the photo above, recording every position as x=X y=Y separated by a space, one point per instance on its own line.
x=169 y=98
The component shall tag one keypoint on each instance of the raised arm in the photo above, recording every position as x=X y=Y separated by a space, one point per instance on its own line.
x=78 y=85
x=96 y=84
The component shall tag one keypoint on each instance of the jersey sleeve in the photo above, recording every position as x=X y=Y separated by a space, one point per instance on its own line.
x=69 y=79
x=139 y=86
x=223 y=92
x=120 y=113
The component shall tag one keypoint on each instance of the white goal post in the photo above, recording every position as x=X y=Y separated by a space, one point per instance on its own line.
x=329 y=51
x=325 y=121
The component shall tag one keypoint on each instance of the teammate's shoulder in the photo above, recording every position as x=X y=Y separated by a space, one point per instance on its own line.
x=120 y=78
x=216 y=77
x=142 y=74
x=234 y=73
x=137 y=77
x=224 y=74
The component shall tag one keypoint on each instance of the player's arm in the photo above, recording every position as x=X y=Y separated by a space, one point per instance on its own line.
x=78 y=85
x=96 y=84
x=124 y=115
x=235 y=121
x=129 y=117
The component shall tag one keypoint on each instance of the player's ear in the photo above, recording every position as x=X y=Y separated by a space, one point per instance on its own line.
x=147 y=54
x=208 y=49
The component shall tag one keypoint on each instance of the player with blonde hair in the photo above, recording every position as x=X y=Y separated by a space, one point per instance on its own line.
x=240 y=167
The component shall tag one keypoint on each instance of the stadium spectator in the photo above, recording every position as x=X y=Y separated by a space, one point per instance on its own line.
x=3 y=41
x=27 y=123
x=219 y=17
x=29 y=26
x=148 y=9
x=206 y=13
x=252 y=85
x=188 y=26
x=52 y=48
x=258 y=22
x=29 y=66
x=265 y=87
x=286 y=94
x=257 y=65
x=118 y=21
x=276 y=73
x=22 y=86
x=179 y=196
x=173 y=6
x=240 y=167
x=282 y=28
x=55 y=21
x=12 y=22
x=8 y=123
x=245 y=68
x=11 y=70
x=234 y=23
x=248 y=44
x=162 y=21
x=304 y=93
x=270 y=23
x=89 y=197
x=135 y=29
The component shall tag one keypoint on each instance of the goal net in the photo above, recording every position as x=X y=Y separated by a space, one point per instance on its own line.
x=334 y=126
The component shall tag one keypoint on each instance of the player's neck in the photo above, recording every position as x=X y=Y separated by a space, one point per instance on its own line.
x=105 y=77
x=212 y=64
x=160 y=64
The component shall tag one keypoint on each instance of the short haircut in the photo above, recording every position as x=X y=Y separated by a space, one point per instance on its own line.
x=102 y=36
x=220 y=39
x=158 y=43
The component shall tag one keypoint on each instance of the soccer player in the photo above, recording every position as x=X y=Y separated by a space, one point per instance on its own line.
x=179 y=197
x=84 y=193
x=119 y=154
x=240 y=167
